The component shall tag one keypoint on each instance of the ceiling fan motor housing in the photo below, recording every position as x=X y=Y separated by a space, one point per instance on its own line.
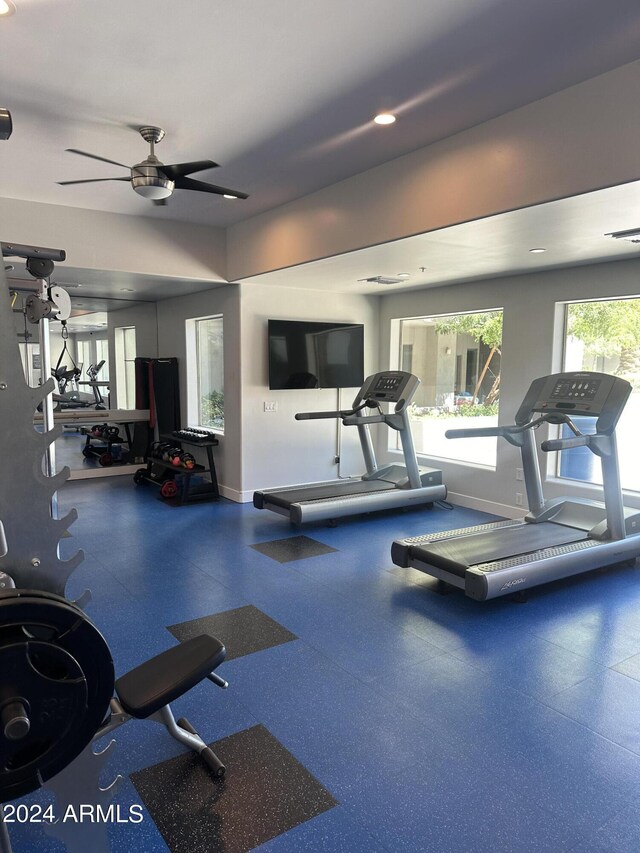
x=150 y=182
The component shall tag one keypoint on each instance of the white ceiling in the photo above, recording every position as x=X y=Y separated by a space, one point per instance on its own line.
x=280 y=93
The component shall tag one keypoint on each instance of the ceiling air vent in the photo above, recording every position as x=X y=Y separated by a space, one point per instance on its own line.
x=632 y=235
x=381 y=279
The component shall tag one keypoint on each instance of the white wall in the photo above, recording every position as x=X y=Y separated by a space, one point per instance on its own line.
x=172 y=314
x=528 y=351
x=277 y=450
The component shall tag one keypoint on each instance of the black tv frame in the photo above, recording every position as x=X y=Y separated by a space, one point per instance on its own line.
x=320 y=377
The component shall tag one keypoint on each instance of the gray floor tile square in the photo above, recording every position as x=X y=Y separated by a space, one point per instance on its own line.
x=243 y=630
x=293 y=548
x=265 y=792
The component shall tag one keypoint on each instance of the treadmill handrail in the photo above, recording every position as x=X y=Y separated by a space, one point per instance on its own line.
x=479 y=432
x=566 y=443
x=354 y=420
x=317 y=416
x=342 y=413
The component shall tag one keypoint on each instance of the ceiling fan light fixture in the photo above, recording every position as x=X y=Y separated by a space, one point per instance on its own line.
x=153 y=188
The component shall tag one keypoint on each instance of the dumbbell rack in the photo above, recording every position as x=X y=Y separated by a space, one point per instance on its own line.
x=159 y=472
x=101 y=451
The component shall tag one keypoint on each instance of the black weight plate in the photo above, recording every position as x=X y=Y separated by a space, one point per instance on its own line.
x=51 y=685
x=46 y=617
x=76 y=633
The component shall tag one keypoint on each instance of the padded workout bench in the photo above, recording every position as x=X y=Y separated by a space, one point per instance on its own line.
x=146 y=691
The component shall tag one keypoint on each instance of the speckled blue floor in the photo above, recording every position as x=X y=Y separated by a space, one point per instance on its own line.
x=437 y=723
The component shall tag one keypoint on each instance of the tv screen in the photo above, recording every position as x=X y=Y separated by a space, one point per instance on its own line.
x=315 y=355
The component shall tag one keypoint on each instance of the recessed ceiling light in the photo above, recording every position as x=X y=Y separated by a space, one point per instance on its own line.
x=403 y=275
x=537 y=251
x=384 y=118
x=6 y=8
x=227 y=195
x=126 y=290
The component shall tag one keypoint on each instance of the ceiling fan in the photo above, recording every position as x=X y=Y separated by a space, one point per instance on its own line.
x=153 y=180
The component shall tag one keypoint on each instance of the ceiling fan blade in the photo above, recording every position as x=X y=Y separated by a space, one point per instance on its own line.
x=177 y=170
x=200 y=186
x=160 y=202
x=95 y=157
x=92 y=181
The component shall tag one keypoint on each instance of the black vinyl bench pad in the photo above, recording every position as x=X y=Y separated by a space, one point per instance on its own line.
x=165 y=677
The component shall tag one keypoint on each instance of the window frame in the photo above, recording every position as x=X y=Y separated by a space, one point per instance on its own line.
x=397 y=343
x=554 y=465
x=194 y=378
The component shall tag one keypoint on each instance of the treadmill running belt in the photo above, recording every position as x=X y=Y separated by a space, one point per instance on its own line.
x=458 y=554
x=327 y=491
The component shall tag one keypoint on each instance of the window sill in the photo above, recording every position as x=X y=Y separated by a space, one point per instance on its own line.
x=593 y=489
x=424 y=459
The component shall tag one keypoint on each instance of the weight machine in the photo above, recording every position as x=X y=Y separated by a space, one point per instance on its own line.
x=59 y=693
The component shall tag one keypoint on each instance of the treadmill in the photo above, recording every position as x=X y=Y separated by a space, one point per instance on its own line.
x=559 y=537
x=379 y=488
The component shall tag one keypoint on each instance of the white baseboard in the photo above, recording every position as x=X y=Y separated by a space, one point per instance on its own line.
x=95 y=473
x=235 y=495
x=486 y=506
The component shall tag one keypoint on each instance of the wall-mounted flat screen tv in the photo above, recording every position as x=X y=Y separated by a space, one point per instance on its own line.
x=315 y=355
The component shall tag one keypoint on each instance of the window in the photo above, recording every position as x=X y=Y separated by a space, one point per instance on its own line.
x=205 y=385
x=457 y=359
x=605 y=336
x=83 y=357
x=102 y=354
x=407 y=357
x=125 y=346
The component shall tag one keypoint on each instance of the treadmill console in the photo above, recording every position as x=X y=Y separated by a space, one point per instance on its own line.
x=575 y=390
x=390 y=386
x=579 y=393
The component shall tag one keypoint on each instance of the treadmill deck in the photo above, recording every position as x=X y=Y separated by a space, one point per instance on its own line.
x=326 y=491
x=458 y=554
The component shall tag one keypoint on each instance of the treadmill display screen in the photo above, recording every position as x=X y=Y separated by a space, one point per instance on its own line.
x=583 y=389
x=388 y=383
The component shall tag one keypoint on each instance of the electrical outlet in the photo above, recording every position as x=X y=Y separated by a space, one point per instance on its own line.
x=518 y=498
x=270 y=406
x=519 y=474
